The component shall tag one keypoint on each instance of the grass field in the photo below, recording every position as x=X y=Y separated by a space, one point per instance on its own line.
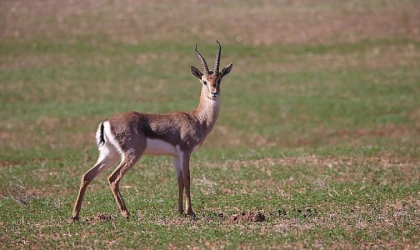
x=317 y=144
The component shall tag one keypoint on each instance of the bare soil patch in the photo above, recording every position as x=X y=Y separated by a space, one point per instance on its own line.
x=248 y=217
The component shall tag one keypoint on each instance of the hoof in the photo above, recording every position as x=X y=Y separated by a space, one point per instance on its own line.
x=125 y=214
x=192 y=216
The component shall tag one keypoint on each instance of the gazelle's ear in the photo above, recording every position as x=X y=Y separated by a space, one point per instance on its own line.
x=226 y=70
x=195 y=72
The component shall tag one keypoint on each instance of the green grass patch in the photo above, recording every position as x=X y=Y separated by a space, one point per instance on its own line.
x=316 y=146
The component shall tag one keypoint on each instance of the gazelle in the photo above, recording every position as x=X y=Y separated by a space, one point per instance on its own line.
x=130 y=135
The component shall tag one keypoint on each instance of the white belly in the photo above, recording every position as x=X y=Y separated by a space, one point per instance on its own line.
x=159 y=147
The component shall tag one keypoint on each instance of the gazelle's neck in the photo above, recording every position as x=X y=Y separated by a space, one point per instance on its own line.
x=208 y=110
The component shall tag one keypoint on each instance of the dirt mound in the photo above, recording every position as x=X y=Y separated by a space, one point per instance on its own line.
x=248 y=216
x=104 y=217
x=99 y=218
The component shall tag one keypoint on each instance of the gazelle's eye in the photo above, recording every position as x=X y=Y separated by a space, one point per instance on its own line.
x=205 y=83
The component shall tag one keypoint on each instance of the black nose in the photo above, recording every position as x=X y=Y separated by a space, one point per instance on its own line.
x=214 y=94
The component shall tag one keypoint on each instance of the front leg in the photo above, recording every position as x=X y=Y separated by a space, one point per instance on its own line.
x=186 y=176
x=180 y=178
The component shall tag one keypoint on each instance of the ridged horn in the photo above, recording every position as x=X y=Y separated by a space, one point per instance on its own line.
x=203 y=62
x=217 y=62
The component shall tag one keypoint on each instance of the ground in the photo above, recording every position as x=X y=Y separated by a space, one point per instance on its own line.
x=316 y=146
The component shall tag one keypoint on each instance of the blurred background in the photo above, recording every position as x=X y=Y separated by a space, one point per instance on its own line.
x=252 y=23
x=307 y=74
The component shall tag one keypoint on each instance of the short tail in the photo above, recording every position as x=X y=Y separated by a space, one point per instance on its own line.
x=100 y=139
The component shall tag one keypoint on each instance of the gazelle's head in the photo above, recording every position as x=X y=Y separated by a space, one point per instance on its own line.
x=211 y=79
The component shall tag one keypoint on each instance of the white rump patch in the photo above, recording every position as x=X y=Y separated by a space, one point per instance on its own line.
x=109 y=137
x=98 y=134
x=159 y=147
x=110 y=151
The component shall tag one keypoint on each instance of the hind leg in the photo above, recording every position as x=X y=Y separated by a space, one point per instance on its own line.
x=108 y=157
x=129 y=159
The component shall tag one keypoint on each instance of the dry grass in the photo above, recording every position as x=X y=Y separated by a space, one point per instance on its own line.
x=252 y=23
